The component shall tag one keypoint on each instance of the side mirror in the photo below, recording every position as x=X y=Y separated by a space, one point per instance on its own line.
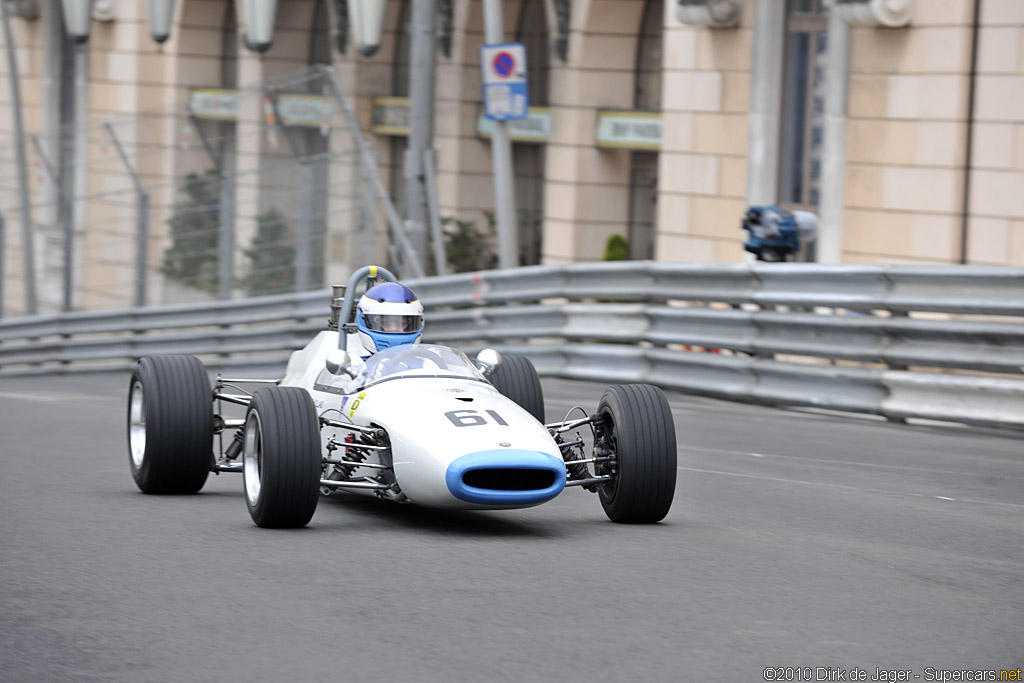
x=339 y=362
x=488 y=360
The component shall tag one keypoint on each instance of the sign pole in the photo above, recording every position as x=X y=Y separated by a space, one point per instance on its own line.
x=501 y=160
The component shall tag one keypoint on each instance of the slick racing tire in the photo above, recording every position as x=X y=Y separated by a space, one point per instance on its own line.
x=281 y=458
x=639 y=429
x=517 y=380
x=170 y=425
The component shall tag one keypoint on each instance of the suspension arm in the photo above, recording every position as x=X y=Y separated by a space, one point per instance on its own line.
x=586 y=482
x=354 y=464
x=237 y=399
x=588 y=460
x=559 y=427
x=226 y=380
x=373 y=486
x=371 y=431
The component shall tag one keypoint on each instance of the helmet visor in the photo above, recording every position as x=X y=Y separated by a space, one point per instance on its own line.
x=393 y=324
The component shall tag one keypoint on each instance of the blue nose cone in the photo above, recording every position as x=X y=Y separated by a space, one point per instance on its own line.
x=506 y=477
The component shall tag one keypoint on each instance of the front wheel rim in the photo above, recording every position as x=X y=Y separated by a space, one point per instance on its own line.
x=252 y=459
x=137 y=424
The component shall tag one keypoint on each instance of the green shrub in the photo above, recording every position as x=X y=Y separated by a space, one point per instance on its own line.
x=467 y=248
x=271 y=257
x=192 y=257
x=616 y=249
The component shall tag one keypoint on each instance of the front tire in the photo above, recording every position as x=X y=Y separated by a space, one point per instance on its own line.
x=517 y=380
x=640 y=431
x=170 y=425
x=281 y=458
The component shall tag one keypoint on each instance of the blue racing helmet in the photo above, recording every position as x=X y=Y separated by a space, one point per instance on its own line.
x=389 y=314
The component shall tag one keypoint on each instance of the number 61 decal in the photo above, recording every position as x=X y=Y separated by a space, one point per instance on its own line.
x=471 y=418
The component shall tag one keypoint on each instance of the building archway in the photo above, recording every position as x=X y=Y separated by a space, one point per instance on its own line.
x=643 y=174
x=315 y=146
x=398 y=144
x=199 y=211
x=528 y=158
x=588 y=178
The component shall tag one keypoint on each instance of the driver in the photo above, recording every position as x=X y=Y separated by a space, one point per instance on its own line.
x=388 y=314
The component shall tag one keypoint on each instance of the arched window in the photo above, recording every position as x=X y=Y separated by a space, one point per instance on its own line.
x=403 y=46
x=643 y=174
x=803 y=106
x=528 y=159
x=399 y=88
x=320 y=39
x=647 y=93
x=229 y=42
x=532 y=32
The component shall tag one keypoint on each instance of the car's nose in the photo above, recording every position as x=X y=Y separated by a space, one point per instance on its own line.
x=506 y=477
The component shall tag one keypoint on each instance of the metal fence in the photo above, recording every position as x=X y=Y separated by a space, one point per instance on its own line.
x=943 y=343
x=226 y=194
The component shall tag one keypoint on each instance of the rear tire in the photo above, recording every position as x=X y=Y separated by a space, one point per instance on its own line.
x=641 y=432
x=517 y=379
x=281 y=458
x=170 y=425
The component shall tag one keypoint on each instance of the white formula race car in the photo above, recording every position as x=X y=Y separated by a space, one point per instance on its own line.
x=415 y=424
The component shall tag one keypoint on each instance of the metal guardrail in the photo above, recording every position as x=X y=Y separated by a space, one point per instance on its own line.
x=897 y=289
x=857 y=338
x=896 y=342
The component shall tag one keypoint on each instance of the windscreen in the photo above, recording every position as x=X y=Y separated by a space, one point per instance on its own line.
x=422 y=360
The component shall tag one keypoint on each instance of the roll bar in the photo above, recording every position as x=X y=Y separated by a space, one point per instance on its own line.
x=368 y=272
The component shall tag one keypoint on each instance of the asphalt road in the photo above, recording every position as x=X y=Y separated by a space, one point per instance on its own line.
x=795 y=540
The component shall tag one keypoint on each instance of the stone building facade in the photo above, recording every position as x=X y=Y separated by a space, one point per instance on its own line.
x=908 y=141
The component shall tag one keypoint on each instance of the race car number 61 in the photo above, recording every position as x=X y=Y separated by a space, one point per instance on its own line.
x=471 y=418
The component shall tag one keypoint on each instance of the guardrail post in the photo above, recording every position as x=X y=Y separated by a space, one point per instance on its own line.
x=897 y=366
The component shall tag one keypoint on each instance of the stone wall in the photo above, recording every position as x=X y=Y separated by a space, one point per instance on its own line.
x=996 y=225
x=703 y=167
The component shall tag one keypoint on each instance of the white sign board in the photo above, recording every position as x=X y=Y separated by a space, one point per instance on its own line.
x=629 y=129
x=214 y=104
x=503 y=69
x=313 y=111
x=536 y=127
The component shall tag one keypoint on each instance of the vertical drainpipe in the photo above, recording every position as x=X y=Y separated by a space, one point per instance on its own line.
x=969 y=143
x=765 y=102
x=74 y=247
x=833 y=154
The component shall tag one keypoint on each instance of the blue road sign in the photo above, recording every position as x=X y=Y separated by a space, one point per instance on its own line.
x=503 y=69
